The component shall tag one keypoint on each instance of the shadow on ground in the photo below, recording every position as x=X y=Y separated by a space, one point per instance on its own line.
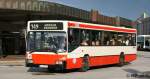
x=44 y=71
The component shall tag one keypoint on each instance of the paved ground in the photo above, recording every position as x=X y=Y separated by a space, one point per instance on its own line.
x=12 y=60
x=139 y=69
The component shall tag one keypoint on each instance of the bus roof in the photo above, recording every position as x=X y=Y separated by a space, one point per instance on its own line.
x=75 y=24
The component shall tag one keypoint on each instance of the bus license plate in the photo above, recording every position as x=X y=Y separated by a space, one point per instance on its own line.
x=44 y=66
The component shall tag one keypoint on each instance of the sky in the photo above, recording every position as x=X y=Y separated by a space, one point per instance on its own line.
x=131 y=9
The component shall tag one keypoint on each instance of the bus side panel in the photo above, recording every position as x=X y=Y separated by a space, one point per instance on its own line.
x=103 y=60
x=98 y=60
x=73 y=63
x=130 y=57
x=93 y=61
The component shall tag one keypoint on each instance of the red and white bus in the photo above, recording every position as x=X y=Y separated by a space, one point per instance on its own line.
x=70 y=44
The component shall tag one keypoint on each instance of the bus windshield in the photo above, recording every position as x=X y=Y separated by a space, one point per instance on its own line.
x=46 y=41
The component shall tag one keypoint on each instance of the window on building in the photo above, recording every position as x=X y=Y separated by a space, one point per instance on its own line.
x=15 y=4
x=1 y=4
x=22 y=5
x=52 y=8
x=8 y=4
x=41 y=6
x=28 y=5
x=35 y=6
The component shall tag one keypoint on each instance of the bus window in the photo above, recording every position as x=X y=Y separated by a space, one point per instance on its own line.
x=147 y=42
x=85 y=38
x=121 y=39
x=31 y=43
x=96 y=38
x=130 y=40
x=113 y=39
x=143 y=42
x=127 y=40
x=106 y=38
x=38 y=40
x=47 y=41
x=73 y=39
x=133 y=39
x=110 y=39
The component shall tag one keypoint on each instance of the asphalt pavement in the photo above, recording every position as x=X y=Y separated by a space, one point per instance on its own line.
x=138 y=69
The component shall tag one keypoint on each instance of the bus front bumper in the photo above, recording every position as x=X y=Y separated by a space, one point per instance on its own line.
x=58 y=64
x=29 y=63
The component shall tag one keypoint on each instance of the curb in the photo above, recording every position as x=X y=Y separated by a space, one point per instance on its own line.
x=12 y=63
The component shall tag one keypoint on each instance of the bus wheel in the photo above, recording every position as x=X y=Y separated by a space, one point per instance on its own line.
x=121 y=60
x=85 y=64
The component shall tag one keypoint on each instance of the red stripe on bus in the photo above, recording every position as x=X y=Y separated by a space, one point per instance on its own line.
x=71 y=24
x=107 y=28
x=130 y=57
x=47 y=59
x=99 y=60
x=70 y=63
x=104 y=60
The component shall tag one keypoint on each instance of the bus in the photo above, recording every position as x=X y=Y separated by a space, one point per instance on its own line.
x=143 y=42
x=58 y=44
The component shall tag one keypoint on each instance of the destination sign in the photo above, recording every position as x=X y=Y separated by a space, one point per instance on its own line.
x=46 y=26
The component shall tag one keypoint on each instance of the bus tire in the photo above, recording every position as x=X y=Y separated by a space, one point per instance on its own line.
x=121 y=60
x=85 y=64
x=63 y=68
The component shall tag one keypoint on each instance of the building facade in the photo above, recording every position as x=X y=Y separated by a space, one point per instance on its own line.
x=142 y=25
x=107 y=20
x=14 y=15
x=63 y=10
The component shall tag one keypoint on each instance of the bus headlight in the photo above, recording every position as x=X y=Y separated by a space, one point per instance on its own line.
x=28 y=55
